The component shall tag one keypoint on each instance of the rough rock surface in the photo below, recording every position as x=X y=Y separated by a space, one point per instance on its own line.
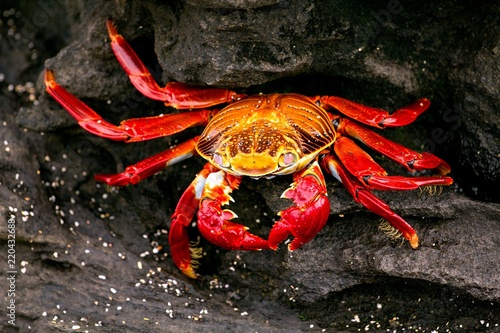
x=89 y=258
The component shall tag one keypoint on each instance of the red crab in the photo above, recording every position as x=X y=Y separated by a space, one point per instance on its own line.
x=259 y=136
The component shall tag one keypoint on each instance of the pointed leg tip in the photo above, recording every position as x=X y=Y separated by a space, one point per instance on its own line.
x=414 y=242
x=49 y=76
x=424 y=102
x=110 y=25
x=189 y=272
x=187 y=267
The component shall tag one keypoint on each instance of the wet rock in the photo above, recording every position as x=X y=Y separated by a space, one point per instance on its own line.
x=97 y=258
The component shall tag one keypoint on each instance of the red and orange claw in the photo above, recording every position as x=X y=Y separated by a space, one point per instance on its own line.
x=309 y=213
x=214 y=222
x=215 y=225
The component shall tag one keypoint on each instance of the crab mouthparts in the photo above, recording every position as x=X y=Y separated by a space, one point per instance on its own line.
x=254 y=165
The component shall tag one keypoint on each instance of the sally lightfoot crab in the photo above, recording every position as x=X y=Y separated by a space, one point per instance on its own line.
x=259 y=136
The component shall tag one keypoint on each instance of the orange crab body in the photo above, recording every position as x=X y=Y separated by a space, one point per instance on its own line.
x=266 y=135
x=260 y=136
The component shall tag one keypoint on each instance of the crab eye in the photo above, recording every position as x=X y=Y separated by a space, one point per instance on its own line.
x=220 y=161
x=287 y=159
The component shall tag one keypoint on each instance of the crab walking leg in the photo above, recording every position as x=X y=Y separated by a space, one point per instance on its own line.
x=214 y=223
x=130 y=130
x=151 y=165
x=182 y=252
x=86 y=117
x=373 y=116
x=309 y=213
x=363 y=196
x=408 y=158
x=372 y=175
x=177 y=95
x=147 y=128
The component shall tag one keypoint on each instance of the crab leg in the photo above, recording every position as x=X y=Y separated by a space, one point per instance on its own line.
x=130 y=130
x=373 y=116
x=183 y=255
x=177 y=95
x=151 y=165
x=372 y=175
x=309 y=213
x=363 y=196
x=406 y=157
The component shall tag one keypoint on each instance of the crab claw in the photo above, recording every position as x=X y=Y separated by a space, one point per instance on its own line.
x=310 y=212
x=214 y=223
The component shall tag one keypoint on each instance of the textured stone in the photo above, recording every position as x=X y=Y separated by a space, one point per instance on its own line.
x=89 y=256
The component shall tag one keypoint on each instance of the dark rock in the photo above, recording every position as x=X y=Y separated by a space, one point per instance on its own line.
x=234 y=4
x=89 y=258
x=476 y=92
